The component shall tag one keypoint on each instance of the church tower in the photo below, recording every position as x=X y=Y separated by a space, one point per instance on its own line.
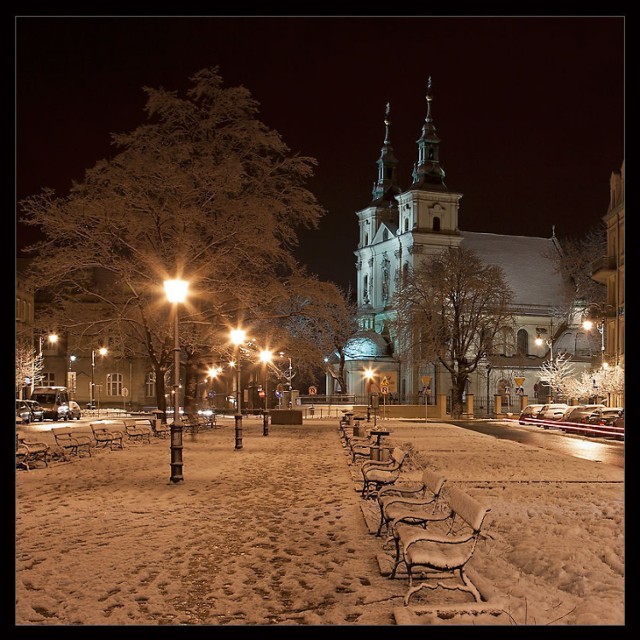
x=397 y=230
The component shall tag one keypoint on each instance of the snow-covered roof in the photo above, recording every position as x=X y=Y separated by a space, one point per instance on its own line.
x=527 y=264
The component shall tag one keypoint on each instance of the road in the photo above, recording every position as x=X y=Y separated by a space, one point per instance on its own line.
x=596 y=449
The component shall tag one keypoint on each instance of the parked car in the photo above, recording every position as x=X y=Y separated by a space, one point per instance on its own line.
x=74 y=412
x=23 y=413
x=551 y=412
x=618 y=423
x=37 y=412
x=529 y=413
x=578 y=414
x=604 y=418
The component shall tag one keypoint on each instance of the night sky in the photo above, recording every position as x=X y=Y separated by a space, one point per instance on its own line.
x=530 y=110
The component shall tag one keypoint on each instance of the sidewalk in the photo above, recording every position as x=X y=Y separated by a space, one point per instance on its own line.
x=275 y=534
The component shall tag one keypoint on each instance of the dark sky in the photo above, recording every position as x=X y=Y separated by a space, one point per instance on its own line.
x=530 y=110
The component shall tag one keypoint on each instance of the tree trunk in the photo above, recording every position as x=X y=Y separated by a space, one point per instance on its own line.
x=459 y=384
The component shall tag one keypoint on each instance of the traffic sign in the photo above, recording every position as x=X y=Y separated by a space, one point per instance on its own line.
x=384 y=389
x=125 y=392
x=313 y=390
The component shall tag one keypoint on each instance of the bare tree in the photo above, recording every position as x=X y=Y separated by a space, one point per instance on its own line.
x=450 y=308
x=574 y=264
x=204 y=191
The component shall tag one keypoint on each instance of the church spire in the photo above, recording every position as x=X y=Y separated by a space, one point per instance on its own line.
x=428 y=173
x=386 y=186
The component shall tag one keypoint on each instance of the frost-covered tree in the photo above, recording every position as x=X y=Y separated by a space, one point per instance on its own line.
x=202 y=191
x=450 y=309
x=599 y=383
x=29 y=365
x=559 y=374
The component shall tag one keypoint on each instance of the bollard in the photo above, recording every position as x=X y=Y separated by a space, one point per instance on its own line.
x=238 y=431
x=265 y=423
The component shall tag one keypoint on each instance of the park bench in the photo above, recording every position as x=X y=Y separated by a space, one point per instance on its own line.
x=377 y=474
x=135 y=431
x=106 y=436
x=440 y=555
x=194 y=422
x=72 y=440
x=160 y=429
x=415 y=503
x=29 y=452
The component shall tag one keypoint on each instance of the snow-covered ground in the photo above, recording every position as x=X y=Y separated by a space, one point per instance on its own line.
x=276 y=533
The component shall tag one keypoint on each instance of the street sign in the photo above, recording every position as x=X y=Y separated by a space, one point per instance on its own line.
x=125 y=392
x=384 y=390
x=280 y=388
x=312 y=390
x=519 y=381
x=426 y=380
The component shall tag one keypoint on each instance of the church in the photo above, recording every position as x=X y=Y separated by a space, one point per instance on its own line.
x=399 y=228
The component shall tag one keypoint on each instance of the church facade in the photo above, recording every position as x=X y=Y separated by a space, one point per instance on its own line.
x=401 y=227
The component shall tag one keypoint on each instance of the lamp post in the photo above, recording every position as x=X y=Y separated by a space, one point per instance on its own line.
x=238 y=337
x=540 y=341
x=176 y=293
x=266 y=356
x=103 y=352
x=38 y=362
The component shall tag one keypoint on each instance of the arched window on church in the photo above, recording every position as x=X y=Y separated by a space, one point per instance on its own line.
x=504 y=343
x=366 y=238
x=436 y=224
x=406 y=224
x=385 y=235
x=365 y=290
x=522 y=342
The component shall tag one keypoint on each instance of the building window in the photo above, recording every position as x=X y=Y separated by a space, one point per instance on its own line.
x=385 y=235
x=522 y=342
x=114 y=384
x=48 y=379
x=436 y=224
x=406 y=224
x=366 y=238
x=150 y=384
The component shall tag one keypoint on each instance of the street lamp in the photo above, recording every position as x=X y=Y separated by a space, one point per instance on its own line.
x=238 y=336
x=176 y=293
x=599 y=313
x=103 y=352
x=540 y=341
x=266 y=356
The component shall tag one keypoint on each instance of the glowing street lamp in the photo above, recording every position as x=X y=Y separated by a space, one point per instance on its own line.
x=238 y=336
x=176 y=291
x=102 y=351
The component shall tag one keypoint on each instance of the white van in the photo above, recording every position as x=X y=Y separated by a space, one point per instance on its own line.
x=54 y=402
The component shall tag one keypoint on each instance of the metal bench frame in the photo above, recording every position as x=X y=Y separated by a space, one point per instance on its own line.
x=376 y=474
x=415 y=504
x=442 y=556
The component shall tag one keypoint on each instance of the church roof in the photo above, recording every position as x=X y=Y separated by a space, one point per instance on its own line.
x=366 y=344
x=527 y=263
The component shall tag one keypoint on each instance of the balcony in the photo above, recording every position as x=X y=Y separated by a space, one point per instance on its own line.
x=602 y=268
